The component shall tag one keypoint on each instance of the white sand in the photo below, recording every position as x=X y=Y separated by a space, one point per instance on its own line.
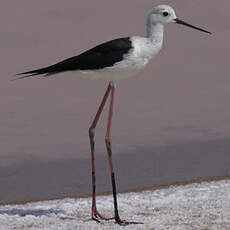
x=202 y=206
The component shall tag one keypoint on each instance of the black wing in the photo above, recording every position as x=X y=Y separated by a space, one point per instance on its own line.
x=101 y=56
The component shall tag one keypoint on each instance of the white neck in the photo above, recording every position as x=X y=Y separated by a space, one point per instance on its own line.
x=155 y=32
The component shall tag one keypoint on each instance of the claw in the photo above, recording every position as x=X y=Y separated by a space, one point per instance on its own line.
x=94 y=218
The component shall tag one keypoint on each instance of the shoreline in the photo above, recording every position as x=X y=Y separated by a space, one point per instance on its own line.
x=139 y=168
x=137 y=190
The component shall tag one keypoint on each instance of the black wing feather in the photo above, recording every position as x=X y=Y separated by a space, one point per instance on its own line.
x=101 y=56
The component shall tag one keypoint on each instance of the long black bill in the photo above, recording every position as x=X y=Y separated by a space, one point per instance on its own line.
x=178 y=21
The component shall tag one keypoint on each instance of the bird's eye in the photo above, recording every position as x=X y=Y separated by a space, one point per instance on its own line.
x=165 y=14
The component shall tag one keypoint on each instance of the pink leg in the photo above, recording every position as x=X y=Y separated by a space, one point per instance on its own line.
x=109 y=150
x=95 y=213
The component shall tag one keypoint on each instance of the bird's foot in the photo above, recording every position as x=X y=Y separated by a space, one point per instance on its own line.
x=124 y=222
x=97 y=216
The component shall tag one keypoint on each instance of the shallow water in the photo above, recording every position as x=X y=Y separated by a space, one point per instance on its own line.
x=136 y=168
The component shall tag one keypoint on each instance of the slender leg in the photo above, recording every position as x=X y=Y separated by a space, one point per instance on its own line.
x=109 y=151
x=95 y=213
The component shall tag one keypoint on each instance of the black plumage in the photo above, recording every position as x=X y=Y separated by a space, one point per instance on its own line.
x=99 y=57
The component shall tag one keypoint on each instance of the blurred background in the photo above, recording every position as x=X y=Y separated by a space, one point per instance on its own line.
x=171 y=123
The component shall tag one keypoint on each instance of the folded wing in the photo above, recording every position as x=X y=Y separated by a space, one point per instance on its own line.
x=99 y=57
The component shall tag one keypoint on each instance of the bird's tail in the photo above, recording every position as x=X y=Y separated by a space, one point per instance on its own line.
x=32 y=73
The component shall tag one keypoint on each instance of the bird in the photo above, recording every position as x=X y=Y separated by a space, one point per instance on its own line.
x=114 y=60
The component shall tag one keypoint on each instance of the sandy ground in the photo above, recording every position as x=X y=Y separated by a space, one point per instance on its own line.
x=192 y=207
x=173 y=117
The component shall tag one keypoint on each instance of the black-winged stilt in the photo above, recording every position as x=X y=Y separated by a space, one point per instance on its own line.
x=113 y=60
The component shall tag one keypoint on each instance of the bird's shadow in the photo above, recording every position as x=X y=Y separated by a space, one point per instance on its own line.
x=36 y=213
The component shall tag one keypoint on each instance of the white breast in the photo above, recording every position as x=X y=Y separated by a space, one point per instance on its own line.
x=144 y=50
x=139 y=56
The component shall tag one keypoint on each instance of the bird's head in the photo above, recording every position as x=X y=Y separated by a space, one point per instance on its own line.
x=165 y=14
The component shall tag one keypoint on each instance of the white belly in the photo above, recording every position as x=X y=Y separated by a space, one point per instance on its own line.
x=110 y=73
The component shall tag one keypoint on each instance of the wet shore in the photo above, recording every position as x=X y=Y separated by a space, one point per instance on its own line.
x=142 y=168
